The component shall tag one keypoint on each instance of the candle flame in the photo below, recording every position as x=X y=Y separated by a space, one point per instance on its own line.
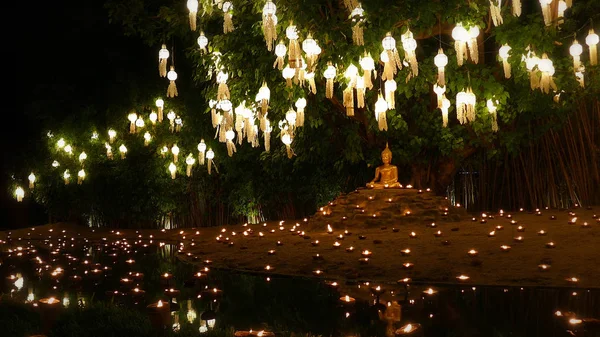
x=347 y=298
x=329 y=229
x=408 y=328
x=52 y=300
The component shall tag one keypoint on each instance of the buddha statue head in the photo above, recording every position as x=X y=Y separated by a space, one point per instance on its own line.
x=386 y=155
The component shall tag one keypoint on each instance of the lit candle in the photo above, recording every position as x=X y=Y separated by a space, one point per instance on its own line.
x=550 y=245
x=505 y=248
x=350 y=249
x=347 y=300
x=520 y=229
x=473 y=252
x=412 y=235
x=499 y=228
x=542 y=232
x=271 y=252
x=544 y=267
x=492 y=234
x=462 y=277
x=318 y=272
x=315 y=243
x=437 y=234
x=366 y=253
x=518 y=239
x=405 y=252
x=336 y=244
x=572 y=280
x=408 y=265
x=408 y=329
x=430 y=291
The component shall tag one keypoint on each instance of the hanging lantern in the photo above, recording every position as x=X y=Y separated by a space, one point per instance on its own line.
x=495 y=13
x=290 y=117
x=357 y=29
x=444 y=107
x=560 y=15
x=547 y=11
x=192 y=6
x=576 y=50
x=516 y=7
x=381 y=107
x=286 y=138
x=300 y=105
x=440 y=61
x=173 y=170
x=139 y=123
x=147 y=138
x=55 y=164
x=19 y=193
x=460 y=36
x=164 y=151
x=171 y=117
x=201 y=151
x=390 y=93
x=123 y=151
x=503 y=53
x=230 y=135
x=190 y=161
x=175 y=152
x=280 y=52
x=267 y=135
x=531 y=61
x=269 y=23
x=60 y=143
x=178 y=124
x=223 y=89
x=390 y=57
x=160 y=104
x=409 y=44
x=368 y=66
x=210 y=155
x=440 y=93
x=491 y=105
x=312 y=50
x=263 y=97
x=132 y=117
x=351 y=75
x=109 y=153
x=82 y=157
x=80 y=177
x=163 y=55
x=310 y=77
x=202 y=41
x=329 y=75
x=172 y=89
x=239 y=121
x=288 y=73
x=592 y=41
x=227 y=17
x=31 y=179
x=546 y=67
x=360 y=92
x=294 y=51
x=153 y=117
x=465 y=106
x=68 y=149
x=66 y=177
x=579 y=76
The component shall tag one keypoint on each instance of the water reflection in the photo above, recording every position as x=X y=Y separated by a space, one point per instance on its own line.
x=151 y=279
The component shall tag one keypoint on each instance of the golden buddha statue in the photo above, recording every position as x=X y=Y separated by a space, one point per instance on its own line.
x=386 y=175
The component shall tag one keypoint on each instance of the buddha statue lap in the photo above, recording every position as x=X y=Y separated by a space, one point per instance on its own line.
x=386 y=175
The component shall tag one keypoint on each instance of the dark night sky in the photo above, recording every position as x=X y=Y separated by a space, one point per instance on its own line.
x=67 y=59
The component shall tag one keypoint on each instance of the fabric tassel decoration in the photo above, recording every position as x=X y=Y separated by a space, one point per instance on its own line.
x=227 y=17
x=329 y=75
x=263 y=97
x=80 y=176
x=310 y=77
x=460 y=36
x=360 y=92
x=280 y=52
x=349 y=101
x=269 y=26
x=132 y=117
x=173 y=170
x=230 y=135
x=547 y=11
x=109 y=153
x=440 y=61
x=504 y=54
x=495 y=12
x=350 y=4
x=444 y=107
x=223 y=89
x=286 y=139
x=409 y=44
x=267 y=135
x=390 y=57
x=579 y=76
x=294 y=51
x=312 y=50
x=531 y=61
x=546 y=67
x=390 y=93
x=440 y=93
x=368 y=66
x=172 y=89
x=465 y=106
x=175 y=152
x=576 y=50
x=210 y=155
x=472 y=44
x=516 y=7
x=192 y=6
x=163 y=56
x=288 y=74
x=357 y=29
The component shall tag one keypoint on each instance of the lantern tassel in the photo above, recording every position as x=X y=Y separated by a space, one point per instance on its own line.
x=358 y=35
x=473 y=50
x=160 y=114
x=193 y=16
x=201 y=157
x=162 y=67
x=230 y=148
x=227 y=23
x=593 y=54
x=516 y=7
x=329 y=88
x=267 y=137
x=460 y=48
x=172 y=89
x=349 y=101
x=494 y=121
x=495 y=12
x=382 y=121
x=311 y=83
x=290 y=153
x=278 y=63
x=300 y=117
x=223 y=91
x=507 y=69
x=269 y=31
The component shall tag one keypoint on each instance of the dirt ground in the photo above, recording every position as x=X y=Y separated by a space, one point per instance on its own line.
x=436 y=259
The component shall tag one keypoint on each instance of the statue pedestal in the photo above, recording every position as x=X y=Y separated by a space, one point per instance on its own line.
x=371 y=208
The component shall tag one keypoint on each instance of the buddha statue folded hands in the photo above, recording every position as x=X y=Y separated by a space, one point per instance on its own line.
x=386 y=175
